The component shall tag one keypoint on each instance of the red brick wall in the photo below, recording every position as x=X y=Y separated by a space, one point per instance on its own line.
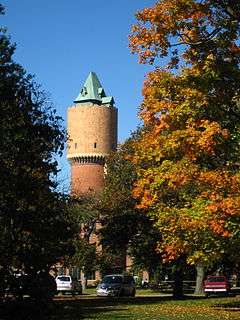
x=87 y=178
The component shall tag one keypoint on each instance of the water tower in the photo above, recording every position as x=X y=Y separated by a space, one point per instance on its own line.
x=92 y=130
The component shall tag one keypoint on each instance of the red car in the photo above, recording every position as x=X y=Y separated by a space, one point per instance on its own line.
x=216 y=285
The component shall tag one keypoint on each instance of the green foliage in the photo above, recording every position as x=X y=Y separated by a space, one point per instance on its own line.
x=126 y=229
x=84 y=212
x=35 y=227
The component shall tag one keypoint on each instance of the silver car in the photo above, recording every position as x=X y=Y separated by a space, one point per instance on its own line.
x=116 y=285
x=66 y=284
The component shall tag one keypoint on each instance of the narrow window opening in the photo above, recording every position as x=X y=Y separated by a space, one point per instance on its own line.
x=95 y=145
x=75 y=145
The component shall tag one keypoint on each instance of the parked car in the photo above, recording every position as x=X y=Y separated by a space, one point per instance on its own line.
x=67 y=284
x=117 y=285
x=41 y=286
x=216 y=285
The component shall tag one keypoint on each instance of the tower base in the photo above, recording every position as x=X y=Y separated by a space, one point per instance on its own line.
x=87 y=178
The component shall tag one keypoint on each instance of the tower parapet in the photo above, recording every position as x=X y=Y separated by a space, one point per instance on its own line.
x=92 y=130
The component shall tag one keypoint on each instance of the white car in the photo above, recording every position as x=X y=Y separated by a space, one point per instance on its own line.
x=65 y=284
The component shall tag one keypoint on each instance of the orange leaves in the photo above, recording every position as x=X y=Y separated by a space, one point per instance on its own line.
x=171 y=103
x=219 y=183
x=192 y=232
x=190 y=202
x=179 y=174
x=218 y=228
x=186 y=157
x=176 y=19
x=173 y=251
x=146 y=198
x=207 y=138
x=183 y=234
x=226 y=207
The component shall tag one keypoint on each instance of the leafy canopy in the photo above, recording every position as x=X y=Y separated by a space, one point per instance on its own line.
x=35 y=228
x=188 y=156
x=125 y=228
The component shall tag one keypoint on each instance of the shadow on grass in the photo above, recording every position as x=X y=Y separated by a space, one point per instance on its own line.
x=88 y=308
x=228 y=306
x=82 y=307
x=25 y=310
x=71 y=308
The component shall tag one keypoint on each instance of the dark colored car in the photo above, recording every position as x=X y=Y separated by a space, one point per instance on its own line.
x=40 y=286
x=117 y=285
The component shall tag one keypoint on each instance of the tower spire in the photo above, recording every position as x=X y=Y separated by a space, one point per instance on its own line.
x=92 y=91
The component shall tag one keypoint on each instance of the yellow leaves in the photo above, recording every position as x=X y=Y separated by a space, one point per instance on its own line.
x=193 y=230
x=180 y=174
x=180 y=232
x=197 y=256
x=187 y=309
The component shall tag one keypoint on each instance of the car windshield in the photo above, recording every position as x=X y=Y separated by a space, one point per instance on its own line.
x=63 y=278
x=216 y=279
x=112 y=279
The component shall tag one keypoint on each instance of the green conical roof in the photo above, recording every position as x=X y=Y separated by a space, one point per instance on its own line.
x=92 y=90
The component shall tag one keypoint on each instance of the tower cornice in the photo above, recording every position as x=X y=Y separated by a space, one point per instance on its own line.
x=80 y=155
x=87 y=158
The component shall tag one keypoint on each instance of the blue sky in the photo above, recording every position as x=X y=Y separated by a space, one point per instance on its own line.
x=62 y=41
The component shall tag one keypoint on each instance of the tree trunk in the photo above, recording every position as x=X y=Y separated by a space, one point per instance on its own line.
x=83 y=280
x=199 y=279
x=178 y=279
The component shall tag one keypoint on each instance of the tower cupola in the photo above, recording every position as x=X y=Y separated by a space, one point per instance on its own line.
x=92 y=91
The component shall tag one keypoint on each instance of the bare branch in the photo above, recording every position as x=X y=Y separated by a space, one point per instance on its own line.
x=192 y=43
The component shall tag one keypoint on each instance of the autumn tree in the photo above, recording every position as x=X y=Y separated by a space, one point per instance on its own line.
x=35 y=228
x=188 y=156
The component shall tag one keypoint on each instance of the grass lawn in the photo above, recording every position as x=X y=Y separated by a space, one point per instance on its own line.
x=143 y=307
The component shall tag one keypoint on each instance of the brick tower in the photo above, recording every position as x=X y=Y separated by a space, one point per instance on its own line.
x=92 y=129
